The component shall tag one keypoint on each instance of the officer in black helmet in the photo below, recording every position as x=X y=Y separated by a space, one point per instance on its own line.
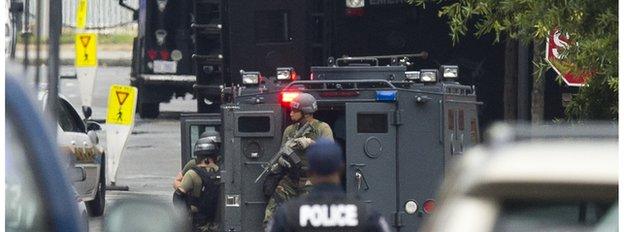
x=211 y=135
x=200 y=186
x=326 y=207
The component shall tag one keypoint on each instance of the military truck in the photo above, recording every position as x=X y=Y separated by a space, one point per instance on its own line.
x=217 y=38
x=399 y=129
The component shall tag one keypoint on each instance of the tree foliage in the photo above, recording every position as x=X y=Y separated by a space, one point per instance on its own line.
x=592 y=24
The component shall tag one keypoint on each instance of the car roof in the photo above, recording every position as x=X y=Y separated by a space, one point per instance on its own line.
x=553 y=168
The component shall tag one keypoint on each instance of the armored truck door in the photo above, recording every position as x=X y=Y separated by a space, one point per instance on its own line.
x=252 y=135
x=192 y=126
x=371 y=155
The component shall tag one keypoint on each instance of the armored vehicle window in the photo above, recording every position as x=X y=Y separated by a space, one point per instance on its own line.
x=272 y=26
x=254 y=124
x=372 y=123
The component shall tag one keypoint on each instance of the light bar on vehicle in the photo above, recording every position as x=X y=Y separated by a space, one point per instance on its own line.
x=449 y=71
x=428 y=75
x=286 y=73
x=412 y=75
x=250 y=78
x=386 y=95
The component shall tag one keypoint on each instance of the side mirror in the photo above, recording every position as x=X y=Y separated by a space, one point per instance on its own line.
x=143 y=215
x=93 y=137
x=86 y=111
x=93 y=126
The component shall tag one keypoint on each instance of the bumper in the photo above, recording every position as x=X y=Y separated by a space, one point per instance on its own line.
x=152 y=79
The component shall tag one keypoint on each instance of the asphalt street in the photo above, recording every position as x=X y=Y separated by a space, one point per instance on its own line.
x=151 y=157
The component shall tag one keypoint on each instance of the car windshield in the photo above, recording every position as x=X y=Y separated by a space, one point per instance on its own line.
x=540 y=215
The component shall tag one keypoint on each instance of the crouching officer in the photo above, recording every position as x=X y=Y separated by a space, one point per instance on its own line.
x=211 y=135
x=200 y=186
x=326 y=207
x=289 y=180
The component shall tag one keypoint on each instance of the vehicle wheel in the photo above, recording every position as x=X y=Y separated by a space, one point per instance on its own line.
x=149 y=110
x=96 y=206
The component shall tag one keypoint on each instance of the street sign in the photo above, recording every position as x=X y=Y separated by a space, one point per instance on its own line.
x=86 y=64
x=86 y=50
x=81 y=14
x=119 y=124
x=556 y=43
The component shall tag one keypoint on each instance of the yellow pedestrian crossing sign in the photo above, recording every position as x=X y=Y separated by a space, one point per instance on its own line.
x=121 y=105
x=81 y=14
x=86 y=50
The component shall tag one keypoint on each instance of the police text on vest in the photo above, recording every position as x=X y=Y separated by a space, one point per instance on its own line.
x=340 y=215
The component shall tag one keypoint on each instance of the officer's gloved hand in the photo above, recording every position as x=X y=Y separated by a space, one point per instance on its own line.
x=276 y=168
x=284 y=163
x=303 y=142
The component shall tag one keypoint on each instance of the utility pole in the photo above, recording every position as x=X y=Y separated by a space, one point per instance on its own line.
x=55 y=24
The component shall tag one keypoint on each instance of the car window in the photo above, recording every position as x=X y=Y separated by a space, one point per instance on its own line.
x=536 y=215
x=24 y=208
x=68 y=119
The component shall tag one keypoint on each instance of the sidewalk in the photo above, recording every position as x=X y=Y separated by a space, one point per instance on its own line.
x=108 y=54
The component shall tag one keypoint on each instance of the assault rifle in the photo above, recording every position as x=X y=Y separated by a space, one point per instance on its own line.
x=286 y=151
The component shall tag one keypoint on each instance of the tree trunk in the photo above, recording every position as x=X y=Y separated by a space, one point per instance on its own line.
x=510 y=97
x=537 y=95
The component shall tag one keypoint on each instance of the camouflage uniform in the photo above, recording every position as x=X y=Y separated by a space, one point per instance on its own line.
x=192 y=183
x=291 y=186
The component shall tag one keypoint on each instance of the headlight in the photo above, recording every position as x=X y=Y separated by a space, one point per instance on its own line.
x=355 y=3
x=411 y=207
x=412 y=75
x=176 y=55
x=449 y=71
x=285 y=73
x=428 y=75
x=250 y=78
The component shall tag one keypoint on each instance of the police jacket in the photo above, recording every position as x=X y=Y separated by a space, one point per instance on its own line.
x=326 y=208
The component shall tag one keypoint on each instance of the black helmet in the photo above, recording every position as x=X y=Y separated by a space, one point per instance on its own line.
x=304 y=102
x=214 y=136
x=205 y=147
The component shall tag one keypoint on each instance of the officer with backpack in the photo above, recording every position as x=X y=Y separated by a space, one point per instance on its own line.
x=211 y=135
x=326 y=207
x=200 y=186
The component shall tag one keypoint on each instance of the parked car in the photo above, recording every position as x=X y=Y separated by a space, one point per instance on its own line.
x=557 y=179
x=38 y=192
x=78 y=137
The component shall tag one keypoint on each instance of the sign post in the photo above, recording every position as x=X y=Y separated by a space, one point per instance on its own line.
x=119 y=124
x=556 y=43
x=86 y=64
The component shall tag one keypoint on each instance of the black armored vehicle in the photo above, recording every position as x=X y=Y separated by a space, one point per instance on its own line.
x=400 y=129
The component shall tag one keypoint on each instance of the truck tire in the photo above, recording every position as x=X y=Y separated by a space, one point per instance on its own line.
x=149 y=110
x=96 y=206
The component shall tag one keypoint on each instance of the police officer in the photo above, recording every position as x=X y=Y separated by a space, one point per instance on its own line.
x=295 y=181
x=199 y=186
x=326 y=207
x=211 y=135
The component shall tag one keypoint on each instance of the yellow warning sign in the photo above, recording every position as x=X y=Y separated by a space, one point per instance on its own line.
x=81 y=14
x=121 y=105
x=86 y=50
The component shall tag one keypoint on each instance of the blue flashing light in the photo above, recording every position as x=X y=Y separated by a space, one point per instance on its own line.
x=387 y=95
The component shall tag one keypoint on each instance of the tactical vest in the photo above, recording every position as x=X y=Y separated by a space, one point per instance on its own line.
x=328 y=213
x=207 y=201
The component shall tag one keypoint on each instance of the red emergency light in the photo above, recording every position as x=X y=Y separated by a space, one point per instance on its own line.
x=164 y=54
x=429 y=206
x=287 y=97
x=151 y=54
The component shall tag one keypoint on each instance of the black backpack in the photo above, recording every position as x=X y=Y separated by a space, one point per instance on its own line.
x=207 y=201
